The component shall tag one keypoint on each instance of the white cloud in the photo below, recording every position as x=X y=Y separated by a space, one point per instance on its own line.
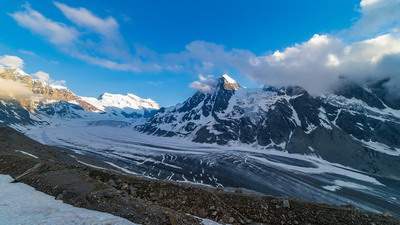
x=368 y=3
x=312 y=64
x=316 y=64
x=369 y=50
x=42 y=76
x=14 y=90
x=205 y=84
x=205 y=57
x=10 y=61
x=100 y=44
x=111 y=44
x=45 y=78
x=57 y=33
x=27 y=52
x=377 y=16
x=87 y=19
x=317 y=67
x=332 y=61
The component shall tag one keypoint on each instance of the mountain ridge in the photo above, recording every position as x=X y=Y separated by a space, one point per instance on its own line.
x=351 y=126
x=41 y=99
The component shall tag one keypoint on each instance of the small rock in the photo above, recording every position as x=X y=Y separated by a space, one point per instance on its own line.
x=239 y=191
x=132 y=190
x=59 y=197
x=214 y=213
x=125 y=186
x=112 y=183
x=286 y=203
x=231 y=220
x=387 y=214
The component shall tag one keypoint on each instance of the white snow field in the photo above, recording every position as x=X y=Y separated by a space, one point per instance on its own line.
x=21 y=204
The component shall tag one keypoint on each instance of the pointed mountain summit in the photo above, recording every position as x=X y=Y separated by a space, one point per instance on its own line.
x=229 y=83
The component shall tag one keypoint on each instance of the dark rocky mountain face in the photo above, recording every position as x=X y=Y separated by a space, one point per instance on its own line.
x=354 y=126
x=11 y=112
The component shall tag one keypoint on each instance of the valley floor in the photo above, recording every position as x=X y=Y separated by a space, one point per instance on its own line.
x=263 y=170
x=83 y=181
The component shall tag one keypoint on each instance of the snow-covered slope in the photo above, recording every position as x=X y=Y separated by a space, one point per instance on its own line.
x=128 y=103
x=21 y=204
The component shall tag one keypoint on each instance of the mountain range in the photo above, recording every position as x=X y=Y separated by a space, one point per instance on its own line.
x=353 y=126
x=353 y=130
x=40 y=101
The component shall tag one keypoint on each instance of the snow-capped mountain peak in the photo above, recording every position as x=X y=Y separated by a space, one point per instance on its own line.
x=229 y=83
x=228 y=78
x=128 y=101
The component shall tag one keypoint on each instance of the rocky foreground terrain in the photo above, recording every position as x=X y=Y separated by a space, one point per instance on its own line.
x=63 y=174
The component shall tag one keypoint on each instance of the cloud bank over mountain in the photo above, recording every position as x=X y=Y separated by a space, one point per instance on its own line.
x=11 y=61
x=17 y=90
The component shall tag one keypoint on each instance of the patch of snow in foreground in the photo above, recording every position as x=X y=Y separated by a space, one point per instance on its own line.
x=205 y=221
x=28 y=154
x=21 y=204
x=209 y=222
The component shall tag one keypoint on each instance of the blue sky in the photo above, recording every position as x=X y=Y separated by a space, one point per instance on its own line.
x=157 y=48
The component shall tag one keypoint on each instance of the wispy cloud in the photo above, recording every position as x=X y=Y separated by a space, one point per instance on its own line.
x=85 y=18
x=11 y=61
x=205 y=84
x=15 y=62
x=14 y=90
x=377 y=16
x=111 y=42
x=56 y=33
x=94 y=40
x=45 y=78
x=27 y=52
